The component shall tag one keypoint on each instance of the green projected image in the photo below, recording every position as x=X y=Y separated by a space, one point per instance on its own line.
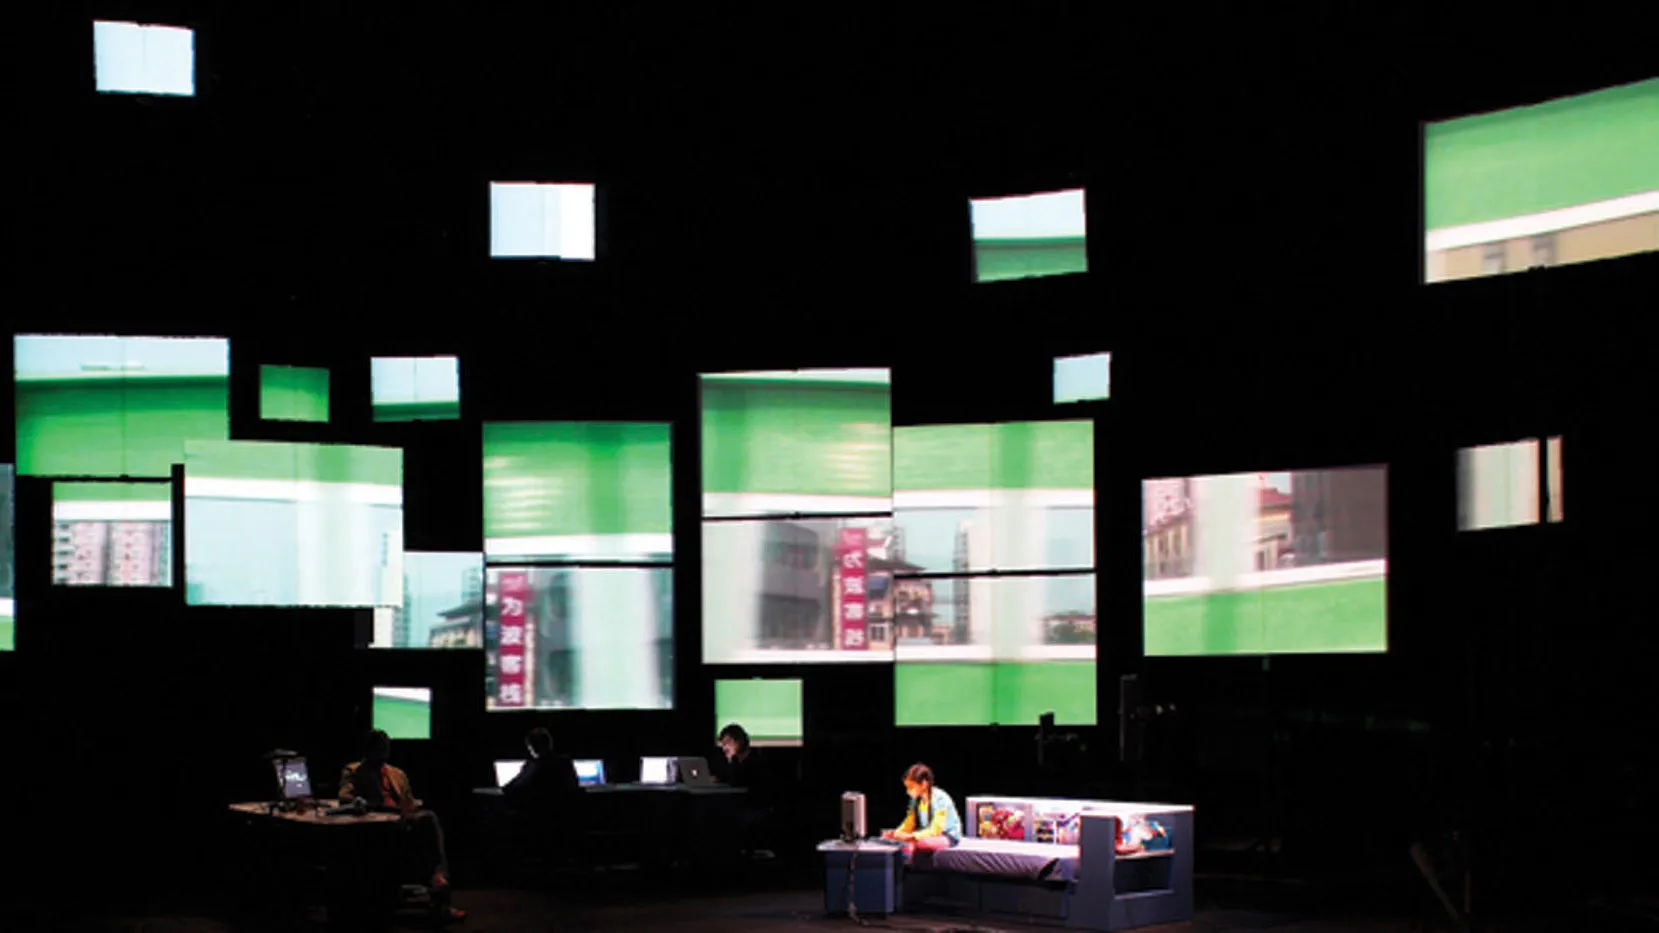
x=1086 y=378
x=443 y=603
x=415 y=388
x=403 y=712
x=8 y=562
x=769 y=710
x=578 y=491
x=797 y=443
x=579 y=638
x=1266 y=563
x=293 y=393
x=1000 y=693
x=1569 y=180
x=1029 y=236
x=274 y=524
x=977 y=497
x=112 y=534
x=117 y=406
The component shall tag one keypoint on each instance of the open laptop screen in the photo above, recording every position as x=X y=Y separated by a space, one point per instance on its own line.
x=295 y=778
x=505 y=771
x=654 y=771
x=590 y=772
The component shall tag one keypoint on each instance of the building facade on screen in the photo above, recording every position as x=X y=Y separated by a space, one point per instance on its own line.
x=1569 y=180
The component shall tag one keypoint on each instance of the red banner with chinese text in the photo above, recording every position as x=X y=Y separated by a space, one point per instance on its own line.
x=849 y=558
x=510 y=652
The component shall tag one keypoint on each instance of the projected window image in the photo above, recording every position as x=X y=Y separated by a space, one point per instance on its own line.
x=443 y=603
x=403 y=712
x=977 y=497
x=1569 y=180
x=131 y=58
x=543 y=221
x=1501 y=486
x=769 y=710
x=293 y=393
x=112 y=534
x=117 y=406
x=8 y=563
x=1082 y=378
x=1266 y=563
x=1028 y=236
x=578 y=491
x=579 y=638
x=415 y=388
x=273 y=524
x=791 y=591
x=797 y=443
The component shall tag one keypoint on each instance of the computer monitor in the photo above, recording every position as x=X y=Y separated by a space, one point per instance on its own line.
x=506 y=770
x=656 y=771
x=294 y=777
x=693 y=771
x=590 y=772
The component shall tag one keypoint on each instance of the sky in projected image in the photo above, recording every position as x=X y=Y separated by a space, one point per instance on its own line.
x=415 y=388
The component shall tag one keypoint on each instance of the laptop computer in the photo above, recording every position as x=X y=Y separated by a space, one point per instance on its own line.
x=590 y=772
x=295 y=778
x=694 y=771
x=506 y=770
x=656 y=771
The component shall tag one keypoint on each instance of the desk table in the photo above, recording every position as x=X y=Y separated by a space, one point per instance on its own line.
x=357 y=865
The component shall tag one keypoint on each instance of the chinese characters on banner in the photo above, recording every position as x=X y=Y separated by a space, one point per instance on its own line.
x=849 y=557
x=510 y=681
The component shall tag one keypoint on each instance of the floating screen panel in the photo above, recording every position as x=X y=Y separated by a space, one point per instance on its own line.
x=579 y=638
x=1266 y=563
x=443 y=603
x=415 y=388
x=1569 y=180
x=117 y=406
x=132 y=58
x=1009 y=497
x=112 y=534
x=8 y=558
x=800 y=591
x=1498 y=486
x=769 y=710
x=293 y=393
x=1029 y=236
x=275 y=524
x=578 y=492
x=1086 y=378
x=807 y=442
x=403 y=712
x=542 y=221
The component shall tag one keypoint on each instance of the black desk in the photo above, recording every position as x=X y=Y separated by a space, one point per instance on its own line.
x=356 y=856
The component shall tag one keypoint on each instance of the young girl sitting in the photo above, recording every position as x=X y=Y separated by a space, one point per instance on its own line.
x=932 y=822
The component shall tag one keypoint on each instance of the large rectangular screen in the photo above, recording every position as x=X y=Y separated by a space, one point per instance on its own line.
x=806 y=442
x=117 y=406
x=996 y=650
x=1568 y=180
x=1500 y=485
x=277 y=524
x=578 y=492
x=808 y=590
x=579 y=638
x=769 y=710
x=1266 y=563
x=112 y=534
x=415 y=388
x=1029 y=236
x=443 y=603
x=978 y=497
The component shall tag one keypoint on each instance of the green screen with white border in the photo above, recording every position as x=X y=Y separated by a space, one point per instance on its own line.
x=1029 y=236
x=112 y=534
x=769 y=710
x=403 y=712
x=415 y=388
x=293 y=393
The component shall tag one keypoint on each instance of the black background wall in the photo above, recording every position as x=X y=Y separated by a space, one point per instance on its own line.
x=787 y=190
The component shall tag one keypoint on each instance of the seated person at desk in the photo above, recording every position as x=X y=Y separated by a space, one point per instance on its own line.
x=932 y=822
x=746 y=768
x=546 y=780
x=386 y=787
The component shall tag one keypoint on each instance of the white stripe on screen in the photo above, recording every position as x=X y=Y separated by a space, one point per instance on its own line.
x=1581 y=215
x=1264 y=579
x=281 y=490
